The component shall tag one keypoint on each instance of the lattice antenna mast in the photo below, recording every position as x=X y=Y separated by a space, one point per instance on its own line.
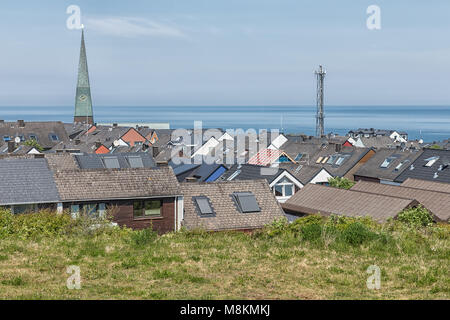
x=320 y=75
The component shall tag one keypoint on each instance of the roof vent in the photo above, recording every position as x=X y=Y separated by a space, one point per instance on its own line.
x=435 y=176
x=191 y=179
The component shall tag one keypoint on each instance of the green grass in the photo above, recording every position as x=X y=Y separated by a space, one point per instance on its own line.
x=311 y=259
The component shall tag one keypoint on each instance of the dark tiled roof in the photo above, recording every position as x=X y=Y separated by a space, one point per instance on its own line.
x=327 y=200
x=42 y=131
x=252 y=172
x=427 y=185
x=438 y=203
x=303 y=172
x=102 y=184
x=372 y=168
x=418 y=170
x=94 y=161
x=227 y=216
x=26 y=181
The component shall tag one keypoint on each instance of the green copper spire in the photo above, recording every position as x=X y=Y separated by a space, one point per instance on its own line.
x=83 y=100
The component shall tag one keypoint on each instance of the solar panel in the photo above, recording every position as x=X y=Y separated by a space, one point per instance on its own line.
x=111 y=162
x=203 y=205
x=247 y=202
x=135 y=162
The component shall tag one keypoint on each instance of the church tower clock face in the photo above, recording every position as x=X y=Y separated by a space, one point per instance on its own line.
x=82 y=97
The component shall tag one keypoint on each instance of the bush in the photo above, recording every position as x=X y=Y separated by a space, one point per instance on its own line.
x=311 y=232
x=416 y=217
x=143 y=237
x=341 y=183
x=357 y=233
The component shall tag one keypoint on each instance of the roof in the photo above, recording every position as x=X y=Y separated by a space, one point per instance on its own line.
x=125 y=160
x=103 y=184
x=328 y=200
x=352 y=156
x=303 y=172
x=419 y=170
x=400 y=161
x=266 y=157
x=38 y=130
x=427 y=185
x=226 y=215
x=200 y=171
x=438 y=203
x=251 y=172
x=26 y=181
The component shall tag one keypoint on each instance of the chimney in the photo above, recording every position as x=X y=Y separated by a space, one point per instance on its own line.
x=98 y=144
x=21 y=123
x=11 y=146
x=39 y=156
x=155 y=151
x=162 y=163
x=191 y=179
x=338 y=147
x=77 y=141
x=115 y=125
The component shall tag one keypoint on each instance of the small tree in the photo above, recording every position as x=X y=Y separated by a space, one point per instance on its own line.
x=341 y=183
x=416 y=217
x=33 y=143
x=436 y=146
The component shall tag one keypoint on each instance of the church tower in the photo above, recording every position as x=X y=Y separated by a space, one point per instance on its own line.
x=83 y=100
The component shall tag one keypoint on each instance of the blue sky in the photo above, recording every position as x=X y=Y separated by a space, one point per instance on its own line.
x=227 y=52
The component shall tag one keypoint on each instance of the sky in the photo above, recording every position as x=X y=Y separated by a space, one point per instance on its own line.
x=226 y=52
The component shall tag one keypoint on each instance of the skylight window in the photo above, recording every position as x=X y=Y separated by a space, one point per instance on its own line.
x=111 y=162
x=332 y=159
x=135 y=162
x=431 y=161
x=325 y=159
x=299 y=157
x=340 y=161
x=319 y=160
x=298 y=169
x=400 y=165
x=203 y=205
x=246 y=202
x=6 y=138
x=387 y=162
x=33 y=137
x=234 y=175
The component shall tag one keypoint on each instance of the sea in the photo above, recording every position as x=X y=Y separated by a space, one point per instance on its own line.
x=429 y=123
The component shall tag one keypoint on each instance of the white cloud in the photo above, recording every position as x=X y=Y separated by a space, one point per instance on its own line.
x=132 y=27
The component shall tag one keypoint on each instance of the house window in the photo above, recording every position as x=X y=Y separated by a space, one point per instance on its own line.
x=319 y=160
x=111 y=163
x=284 y=188
x=332 y=159
x=387 y=162
x=431 y=161
x=25 y=208
x=135 y=162
x=6 y=138
x=32 y=136
x=246 y=202
x=325 y=160
x=400 y=165
x=299 y=157
x=283 y=159
x=203 y=206
x=147 y=208
x=53 y=137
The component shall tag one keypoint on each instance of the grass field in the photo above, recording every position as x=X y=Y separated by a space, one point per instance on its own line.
x=301 y=261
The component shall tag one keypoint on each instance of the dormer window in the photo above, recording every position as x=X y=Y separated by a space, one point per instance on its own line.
x=53 y=137
x=32 y=136
x=387 y=162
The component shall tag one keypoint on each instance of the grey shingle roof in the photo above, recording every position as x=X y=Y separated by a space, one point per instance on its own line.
x=94 y=161
x=26 y=181
x=325 y=200
x=303 y=172
x=102 y=184
x=418 y=170
x=252 y=172
x=372 y=168
x=226 y=216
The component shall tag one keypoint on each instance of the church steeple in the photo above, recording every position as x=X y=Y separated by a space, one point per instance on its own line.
x=83 y=100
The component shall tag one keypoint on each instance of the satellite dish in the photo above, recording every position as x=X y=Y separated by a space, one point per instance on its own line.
x=17 y=140
x=116 y=143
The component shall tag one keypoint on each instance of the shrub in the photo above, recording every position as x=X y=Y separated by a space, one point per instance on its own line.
x=357 y=233
x=416 y=217
x=143 y=237
x=341 y=183
x=311 y=232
